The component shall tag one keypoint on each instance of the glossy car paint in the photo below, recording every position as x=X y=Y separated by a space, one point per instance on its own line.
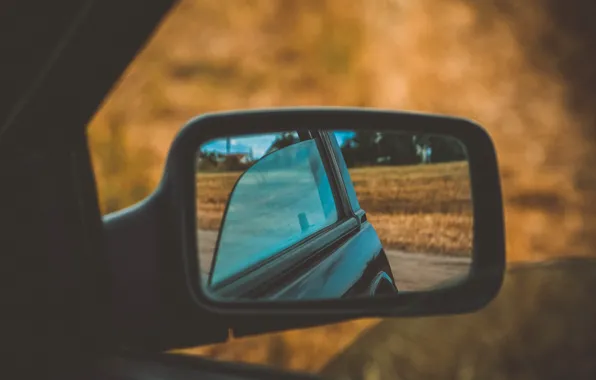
x=348 y=270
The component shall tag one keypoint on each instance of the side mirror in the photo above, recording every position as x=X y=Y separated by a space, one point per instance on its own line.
x=318 y=214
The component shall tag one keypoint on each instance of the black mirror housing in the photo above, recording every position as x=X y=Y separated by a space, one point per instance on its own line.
x=153 y=245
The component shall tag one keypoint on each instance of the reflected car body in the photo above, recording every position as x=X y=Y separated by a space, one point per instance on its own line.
x=343 y=259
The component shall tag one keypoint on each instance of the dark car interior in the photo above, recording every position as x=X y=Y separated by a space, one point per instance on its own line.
x=57 y=321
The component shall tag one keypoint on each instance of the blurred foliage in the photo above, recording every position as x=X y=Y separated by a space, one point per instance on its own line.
x=283 y=140
x=479 y=60
x=559 y=41
x=368 y=148
x=524 y=70
x=211 y=162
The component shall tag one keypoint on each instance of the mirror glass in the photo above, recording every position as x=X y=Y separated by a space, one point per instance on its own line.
x=301 y=215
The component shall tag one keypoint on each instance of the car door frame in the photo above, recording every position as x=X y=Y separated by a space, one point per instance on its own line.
x=335 y=151
x=268 y=278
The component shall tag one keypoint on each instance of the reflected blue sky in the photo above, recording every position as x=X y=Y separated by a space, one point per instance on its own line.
x=258 y=143
x=342 y=136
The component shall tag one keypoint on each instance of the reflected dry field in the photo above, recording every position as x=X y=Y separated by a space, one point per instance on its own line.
x=421 y=208
x=213 y=191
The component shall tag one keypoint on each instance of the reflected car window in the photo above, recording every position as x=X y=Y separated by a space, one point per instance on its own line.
x=282 y=199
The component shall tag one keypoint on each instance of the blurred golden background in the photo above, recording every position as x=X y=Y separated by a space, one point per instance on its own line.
x=524 y=70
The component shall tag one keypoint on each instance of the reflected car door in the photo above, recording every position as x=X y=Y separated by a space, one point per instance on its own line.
x=323 y=258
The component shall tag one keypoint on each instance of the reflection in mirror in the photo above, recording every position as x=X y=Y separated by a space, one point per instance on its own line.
x=330 y=214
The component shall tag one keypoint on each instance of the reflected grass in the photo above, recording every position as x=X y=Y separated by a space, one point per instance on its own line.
x=419 y=208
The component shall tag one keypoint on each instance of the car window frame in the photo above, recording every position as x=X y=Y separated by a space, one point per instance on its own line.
x=259 y=278
x=335 y=150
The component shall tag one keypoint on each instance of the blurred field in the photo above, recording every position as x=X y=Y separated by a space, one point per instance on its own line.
x=421 y=208
x=524 y=70
x=301 y=350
